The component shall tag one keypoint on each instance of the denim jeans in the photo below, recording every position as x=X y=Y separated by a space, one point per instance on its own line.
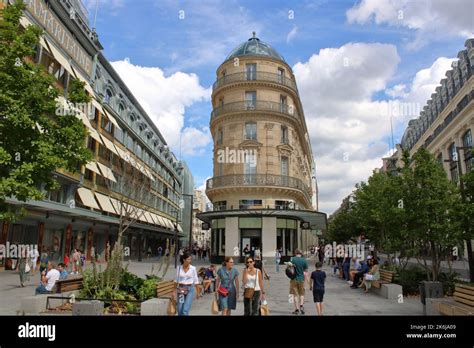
x=41 y=290
x=345 y=270
x=185 y=301
x=277 y=262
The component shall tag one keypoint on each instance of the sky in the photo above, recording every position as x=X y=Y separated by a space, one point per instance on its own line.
x=359 y=66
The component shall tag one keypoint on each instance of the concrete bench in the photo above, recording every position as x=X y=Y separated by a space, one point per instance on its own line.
x=390 y=291
x=33 y=305
x=154 y=306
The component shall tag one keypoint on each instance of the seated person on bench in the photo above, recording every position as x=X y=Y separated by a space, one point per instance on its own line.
x=359 y=276
x=48 y=280
x=209 y=278
x=62 y=271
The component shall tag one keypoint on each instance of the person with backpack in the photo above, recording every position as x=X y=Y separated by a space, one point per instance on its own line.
x=297 y=280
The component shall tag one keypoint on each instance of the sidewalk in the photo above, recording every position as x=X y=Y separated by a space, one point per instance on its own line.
x=339 y=298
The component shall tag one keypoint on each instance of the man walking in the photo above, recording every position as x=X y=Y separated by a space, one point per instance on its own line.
x=297 y=284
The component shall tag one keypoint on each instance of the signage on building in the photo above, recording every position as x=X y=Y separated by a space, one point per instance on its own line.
x=45 y=16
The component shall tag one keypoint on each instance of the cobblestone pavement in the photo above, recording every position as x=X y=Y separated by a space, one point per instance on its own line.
x=339 y=298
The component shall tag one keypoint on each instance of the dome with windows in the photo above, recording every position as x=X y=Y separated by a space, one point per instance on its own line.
x=254 y=47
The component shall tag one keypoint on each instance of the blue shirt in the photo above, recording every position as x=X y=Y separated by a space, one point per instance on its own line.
x=63 y=275
x=318 y=278
x=209 y=274
x=364 y=268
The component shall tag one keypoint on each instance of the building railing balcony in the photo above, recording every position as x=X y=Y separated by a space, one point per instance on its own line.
x=258 y=180
x=255 y=76
x=257 y=105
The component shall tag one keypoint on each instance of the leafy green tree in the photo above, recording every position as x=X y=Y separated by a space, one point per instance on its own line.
x=379 y=209
x=34 y=142
x=431 y=203
x=342 y=226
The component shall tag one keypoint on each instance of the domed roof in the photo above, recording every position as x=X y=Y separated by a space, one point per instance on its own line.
x=255 y=47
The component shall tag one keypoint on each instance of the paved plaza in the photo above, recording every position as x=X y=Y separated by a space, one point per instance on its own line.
x=339 y=298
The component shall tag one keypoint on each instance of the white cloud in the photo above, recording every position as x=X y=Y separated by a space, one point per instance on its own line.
x=292 y=34
x=165 y=99
x=431 y=19
x=345 y=123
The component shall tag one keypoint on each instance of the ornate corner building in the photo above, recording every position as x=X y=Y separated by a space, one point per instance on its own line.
x=263 y=188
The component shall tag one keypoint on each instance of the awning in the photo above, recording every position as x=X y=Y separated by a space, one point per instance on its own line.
x=105 y=203
x=141 y=215
x=149 y=217
x=316 y=219
x=87 y=86
x=58 y=56
x=95 y=135
x=123 y=154
x=93 y=167
x=117 y=206
x=180 y=229
x=87 y=198
x=169 y=223
x=109 y=145
x=111 y=118
x=106 y=172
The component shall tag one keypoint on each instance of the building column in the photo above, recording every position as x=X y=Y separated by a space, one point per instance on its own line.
x=231 y=235
x=67 y=249
x=90 y=234
x=4 y=236
x=40 y=236
x=269 y=229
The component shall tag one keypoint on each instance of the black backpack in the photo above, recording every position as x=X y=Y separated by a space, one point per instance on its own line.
x=290 y=271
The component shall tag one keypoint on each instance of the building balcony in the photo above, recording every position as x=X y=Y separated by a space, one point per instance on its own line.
x=252 y=106
x=258 y=76
x=258 y=180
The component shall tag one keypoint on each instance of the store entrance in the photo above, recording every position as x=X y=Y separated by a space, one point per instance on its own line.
x=252 y=239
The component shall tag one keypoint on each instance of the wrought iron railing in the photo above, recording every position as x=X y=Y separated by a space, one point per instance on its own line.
x=258 y=180
x=257 y=105
x=255 y=76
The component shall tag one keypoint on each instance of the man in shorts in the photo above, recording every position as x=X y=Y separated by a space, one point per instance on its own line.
x=317 y=286
x=297 y=284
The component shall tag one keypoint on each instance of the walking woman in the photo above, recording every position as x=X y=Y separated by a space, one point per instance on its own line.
x=227 y=283
x=253 y=288
x=187 y=280
x=24 y=268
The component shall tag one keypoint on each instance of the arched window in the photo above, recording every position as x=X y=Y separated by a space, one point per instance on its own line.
x=467 y=144
x=108 y=96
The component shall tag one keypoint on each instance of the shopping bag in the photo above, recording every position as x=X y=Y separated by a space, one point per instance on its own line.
x=171 y=307
x=27 y=268
x=215 y=307
x=264 y=310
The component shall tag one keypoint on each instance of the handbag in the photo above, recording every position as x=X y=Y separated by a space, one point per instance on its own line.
x=171 y=310
x=27 y=267
x=214 y=307
x=369 y=276
x=182 y=290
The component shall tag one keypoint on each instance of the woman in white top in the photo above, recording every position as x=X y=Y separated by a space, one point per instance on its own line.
x=187 y=281
x=253 y=287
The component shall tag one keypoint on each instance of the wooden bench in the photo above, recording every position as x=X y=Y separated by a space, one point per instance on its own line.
x=165 y=289
x=386 y=277
x=69 y=284
x=462 y=302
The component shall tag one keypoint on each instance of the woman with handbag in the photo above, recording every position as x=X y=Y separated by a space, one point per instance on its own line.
x=187 y=281
x=253 y=288
x=372 y=275
x=24 y=267
x=227 y=283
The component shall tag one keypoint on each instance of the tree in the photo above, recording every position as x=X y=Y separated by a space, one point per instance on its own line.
x=342 y=226
x=431 y=203
x=378 y=208
x=34 y=142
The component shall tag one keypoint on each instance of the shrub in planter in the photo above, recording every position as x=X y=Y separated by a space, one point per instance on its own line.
x=410 y=279
x=130 y=283
x=148 y=289
x=449 y=281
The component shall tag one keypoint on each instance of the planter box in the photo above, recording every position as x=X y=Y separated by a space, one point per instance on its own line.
x=464 y=294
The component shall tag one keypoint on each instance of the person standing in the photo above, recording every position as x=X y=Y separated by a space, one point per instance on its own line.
x=297 y=284
x=24 y=268
x=252 y=280
x=227 y=279
x=246 y=251
x=187 y=280
x=277 y=259
x=317 y=286
x=44 y=260
x=34 y=255
x=160 y=251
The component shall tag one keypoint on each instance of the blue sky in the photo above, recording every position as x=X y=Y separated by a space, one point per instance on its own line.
x=383 y=44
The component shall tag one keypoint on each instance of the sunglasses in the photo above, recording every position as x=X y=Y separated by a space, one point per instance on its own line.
x=250 y=262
